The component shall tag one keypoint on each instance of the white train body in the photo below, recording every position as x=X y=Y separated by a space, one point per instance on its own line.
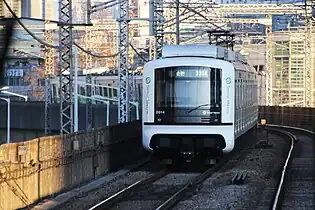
x=202 y=97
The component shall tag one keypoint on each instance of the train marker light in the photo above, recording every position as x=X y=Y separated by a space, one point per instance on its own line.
x=264 y=138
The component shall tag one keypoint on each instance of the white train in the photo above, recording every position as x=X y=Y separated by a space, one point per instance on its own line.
x=197 y=99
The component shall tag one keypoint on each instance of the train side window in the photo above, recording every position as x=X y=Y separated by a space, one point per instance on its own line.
x=114 y=93
x=106 y=92
x=239 y=93
x=236 y=93
x=96 y=90
x=82 y=90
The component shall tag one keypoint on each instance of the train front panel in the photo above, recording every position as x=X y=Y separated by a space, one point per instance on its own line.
x=191 y=103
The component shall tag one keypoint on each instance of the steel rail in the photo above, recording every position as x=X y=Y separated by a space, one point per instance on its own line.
x=108 y=202
x=278 y=199
x=173 y=200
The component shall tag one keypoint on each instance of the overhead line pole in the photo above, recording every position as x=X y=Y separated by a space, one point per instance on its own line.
x=177 y=23
x=66 y=67
x=123 y=46
x=49 y=71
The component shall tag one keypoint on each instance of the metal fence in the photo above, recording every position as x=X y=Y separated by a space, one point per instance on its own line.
x=35 y=169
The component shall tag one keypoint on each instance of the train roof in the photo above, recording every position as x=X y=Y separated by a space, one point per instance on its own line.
x=210 y=51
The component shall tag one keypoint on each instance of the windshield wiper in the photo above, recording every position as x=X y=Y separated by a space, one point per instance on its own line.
x=197 y=107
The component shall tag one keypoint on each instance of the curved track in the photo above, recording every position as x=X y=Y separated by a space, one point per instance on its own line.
x=295 y=189
x=297 y=182
x=166 y=188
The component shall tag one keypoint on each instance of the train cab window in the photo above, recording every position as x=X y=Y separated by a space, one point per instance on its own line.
x=187 y=94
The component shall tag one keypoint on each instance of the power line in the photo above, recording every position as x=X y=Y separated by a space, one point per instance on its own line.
x=48 y=44
x=94 y=54
x=135 y=50
x=26 y=29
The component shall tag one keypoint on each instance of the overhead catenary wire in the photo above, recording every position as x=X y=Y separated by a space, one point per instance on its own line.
x=140 y=56
x=94 y=54
x=26 y=29
x=51 y=45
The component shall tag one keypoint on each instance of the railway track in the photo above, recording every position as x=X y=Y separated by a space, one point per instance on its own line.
x=294 y=190
x=168 y=194
x=191 y=184
x=129 y=191
x=297 y=182
x=112 y=200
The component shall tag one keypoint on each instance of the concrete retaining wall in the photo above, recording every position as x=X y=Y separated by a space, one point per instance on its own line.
x=18 y=135
x=50 y=165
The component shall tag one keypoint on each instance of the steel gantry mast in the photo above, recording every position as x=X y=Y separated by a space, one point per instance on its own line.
x=309 y=97
x=49 y=72
x=88 y=80
x=269 y=59
x=226 y=9
x=157 y=7
x=66 y=66
x=123 y=46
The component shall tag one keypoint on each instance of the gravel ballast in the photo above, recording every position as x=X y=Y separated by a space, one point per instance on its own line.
x=262 y=167
x=91 y=198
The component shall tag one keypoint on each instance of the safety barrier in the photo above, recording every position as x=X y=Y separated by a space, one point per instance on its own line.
x=289 y=116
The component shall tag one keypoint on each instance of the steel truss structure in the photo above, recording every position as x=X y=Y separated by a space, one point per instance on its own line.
x=49 y=72
x=158 y=26
x=203 y=13
x=131 y=77
x=66 y=66
x=88 y=66
x=123 y=47
x=309 y=95
x=269 y=58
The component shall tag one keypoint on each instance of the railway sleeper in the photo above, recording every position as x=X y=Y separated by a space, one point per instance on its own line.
x=263 y=144
x=239 y=178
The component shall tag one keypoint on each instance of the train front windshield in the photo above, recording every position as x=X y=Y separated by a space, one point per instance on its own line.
x=187 y=95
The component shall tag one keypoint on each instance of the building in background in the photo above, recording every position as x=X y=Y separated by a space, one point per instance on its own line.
x=40 y=9
x=33 y=8
x=280 y=22
x=289 y=67
x=15 y=6
x=24 y=66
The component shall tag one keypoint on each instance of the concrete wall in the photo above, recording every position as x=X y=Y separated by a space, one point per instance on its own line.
x=52 y=165
x=31 y=115
x=18 y=135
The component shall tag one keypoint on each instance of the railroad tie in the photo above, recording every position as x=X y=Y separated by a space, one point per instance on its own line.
x=239 y=178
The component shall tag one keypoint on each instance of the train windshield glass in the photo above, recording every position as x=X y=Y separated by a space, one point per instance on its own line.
x=187 y=95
